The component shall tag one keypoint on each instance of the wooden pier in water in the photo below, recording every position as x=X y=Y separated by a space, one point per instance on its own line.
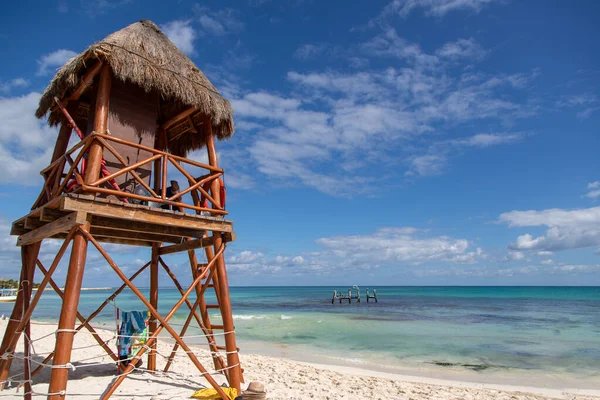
x=339 y=295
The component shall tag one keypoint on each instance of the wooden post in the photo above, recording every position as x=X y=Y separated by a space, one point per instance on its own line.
x=62 y=141
x=233 y=360
x=154 y=302
x=159 y=144
x=68 y=314
x=29 y=255
x=100 y=126
x=202 y=303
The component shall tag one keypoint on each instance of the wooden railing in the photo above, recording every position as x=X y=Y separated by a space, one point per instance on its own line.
x=57 y=182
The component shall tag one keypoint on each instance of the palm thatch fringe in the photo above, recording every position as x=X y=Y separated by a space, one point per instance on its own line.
x=143 y=55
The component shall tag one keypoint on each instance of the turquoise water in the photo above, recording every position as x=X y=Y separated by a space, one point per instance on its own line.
x=552 y=330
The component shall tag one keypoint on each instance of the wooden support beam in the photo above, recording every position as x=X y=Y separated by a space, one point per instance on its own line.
x=154 y=301
x=196 y=244
x=92 y=315
x=141 y=236
x=61 y=225
x=32 y=223
x=66 y=323
x=14 y=326
x=189 y=245
x=137 y=226
x=163 y=324
x=235 y=373
x=81 y=318
x=219 y=363
x=19 y=320
x=18 y=228
x=113 y=240
x=49 y=214
x=94 y=166
x=179 y=117
x=145 y=215
x=85 y=82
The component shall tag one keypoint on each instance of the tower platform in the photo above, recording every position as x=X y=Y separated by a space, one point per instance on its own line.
x=114 y=221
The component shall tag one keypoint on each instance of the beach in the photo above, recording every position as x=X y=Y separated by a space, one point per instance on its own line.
x=283 y=378
x=415 y=343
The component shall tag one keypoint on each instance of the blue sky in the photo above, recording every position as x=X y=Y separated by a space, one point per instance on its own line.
x=418 y=142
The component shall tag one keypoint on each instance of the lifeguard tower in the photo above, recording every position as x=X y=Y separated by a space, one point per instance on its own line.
x=135 y=106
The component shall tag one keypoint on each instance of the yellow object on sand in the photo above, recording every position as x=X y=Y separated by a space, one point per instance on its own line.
x=211 y=393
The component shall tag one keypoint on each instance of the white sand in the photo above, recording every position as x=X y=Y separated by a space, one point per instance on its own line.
x=283 y=379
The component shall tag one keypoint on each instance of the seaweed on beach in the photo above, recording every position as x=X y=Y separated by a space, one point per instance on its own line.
x=473 y=367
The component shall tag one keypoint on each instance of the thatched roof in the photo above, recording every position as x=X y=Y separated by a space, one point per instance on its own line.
x=143 y=55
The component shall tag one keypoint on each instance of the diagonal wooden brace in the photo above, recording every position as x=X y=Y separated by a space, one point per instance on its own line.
x=220 y=364
x=27 y=315
x=163 y=323
x=93 y=315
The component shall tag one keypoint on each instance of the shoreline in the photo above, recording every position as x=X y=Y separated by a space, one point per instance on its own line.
x=539 y=383
x=543 y=391
x=283 y=377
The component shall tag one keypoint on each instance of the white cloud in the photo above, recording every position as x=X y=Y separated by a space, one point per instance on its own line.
x=237 y=180
x=100 y=7
x=435 y=8
x=219 y=22
x=462 y=48
x=593 y=190
x=337 y=127
x=586 y=102
x=567 y=229
x=54 y=60
x=577 y=100
x=399 y=245
x=438 y=154
x=544 y=269
x=514 y=256
x=6 y=87
x=307 y=51
x=389 y=44
x=577 y=268
x=249 y=262
x=182 y=34
x=26 y=143
x=587 y=112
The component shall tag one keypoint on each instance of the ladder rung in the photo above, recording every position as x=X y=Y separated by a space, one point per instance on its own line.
x=216 y=327
x=210 y=285
x=212 y=306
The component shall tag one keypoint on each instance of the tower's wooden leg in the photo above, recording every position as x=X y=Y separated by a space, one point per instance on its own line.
x=29 y=255
x=233 y=360
x=66 y=323
x=154 y=302
x=217 y=361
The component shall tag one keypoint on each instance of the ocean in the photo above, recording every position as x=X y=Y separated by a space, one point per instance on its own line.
x=546 y=332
